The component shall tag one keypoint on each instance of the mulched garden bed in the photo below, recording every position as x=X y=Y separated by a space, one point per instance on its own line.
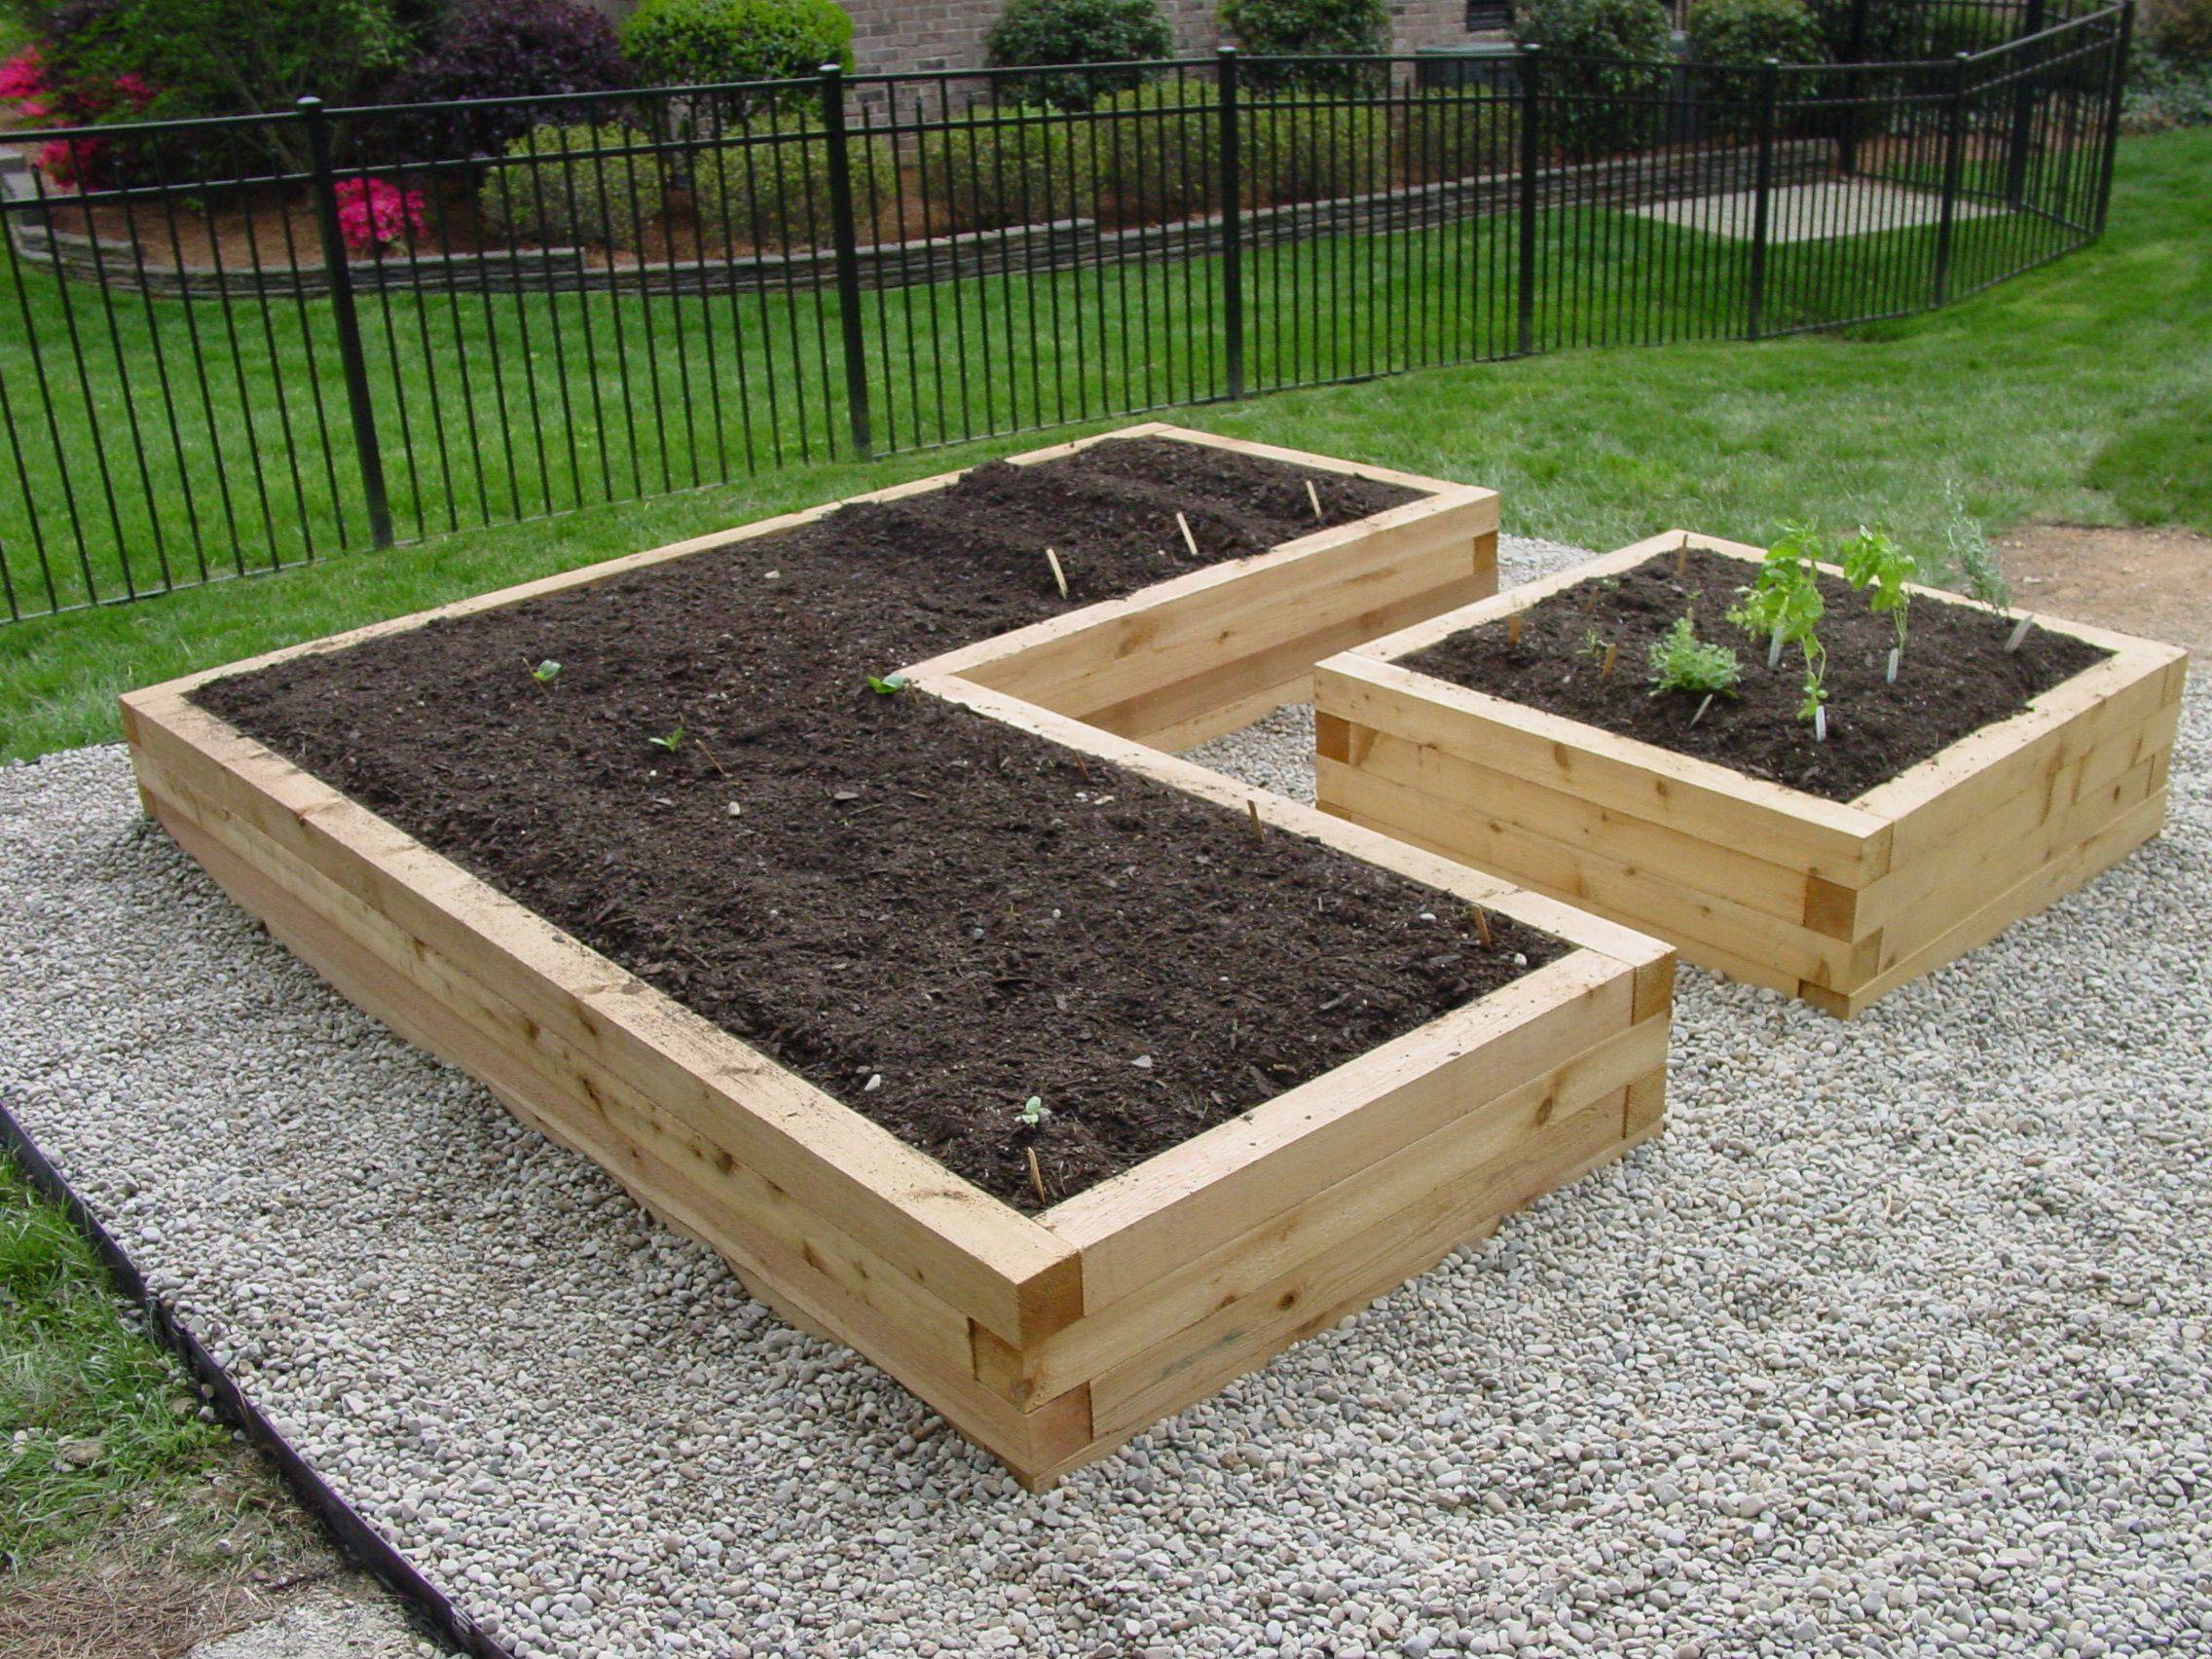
x=1955 y=678
x=930 y=915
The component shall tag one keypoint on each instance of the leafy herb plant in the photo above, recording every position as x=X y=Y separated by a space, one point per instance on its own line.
x=1784 y=607
x=890 y=685
x=1683 y=662
x=546 y=672
x=1880 y=568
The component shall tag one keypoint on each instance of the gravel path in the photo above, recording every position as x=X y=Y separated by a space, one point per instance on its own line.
x=1894 y=1342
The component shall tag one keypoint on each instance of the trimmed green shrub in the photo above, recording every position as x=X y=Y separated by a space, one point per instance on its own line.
x=1165 y=165
x=1075 y=31
x=565 y=191
x=2180 y=31
x=1453 y=133
x=1730 y=39
x=700 y=42
x=775 y=196
x=1007 y=165
x=1600 y=112
x=1742 y=33
x=1290 y=28
x=2162 y=95
x=1297 y=149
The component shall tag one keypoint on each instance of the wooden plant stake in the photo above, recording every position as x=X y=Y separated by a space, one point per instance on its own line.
x=1259 y=830
x=1682 y=560
x=1314 y=495
x=1701 y=707
x=1513 y=630
x=2019 y=634
x=1037 y=1176
x=1059 y=576
x=1188 y=541
x=1612 y=655
x=1483 y=931
x=1774 y=646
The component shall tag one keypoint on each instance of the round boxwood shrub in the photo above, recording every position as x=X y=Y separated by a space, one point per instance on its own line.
x=1075 y=31
x=2180 y=31
x=564 y=187
x=1291 y=28
x=1449 y=132
x=1730 y=39
x=1007 y=165
x=699 y=42
x=1299 y=150
x=1161 y=156
x=498 y=49
x=773 y=193
x=1607 y=107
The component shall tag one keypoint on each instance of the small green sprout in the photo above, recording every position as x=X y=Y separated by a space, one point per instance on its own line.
x=671 y=740
x=1683 y=662
x=890 y=685
x=1033 y=1112
x=1881 y=569
x=1969 y=563
x=546 y=672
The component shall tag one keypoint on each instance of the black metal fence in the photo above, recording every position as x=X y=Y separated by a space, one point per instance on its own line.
x=234 y=346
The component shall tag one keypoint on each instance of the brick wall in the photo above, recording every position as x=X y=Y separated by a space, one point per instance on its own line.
x=894 y=35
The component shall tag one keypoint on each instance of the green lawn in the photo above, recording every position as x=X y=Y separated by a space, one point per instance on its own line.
x=98 y=1418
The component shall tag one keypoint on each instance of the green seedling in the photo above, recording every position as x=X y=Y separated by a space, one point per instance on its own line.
x=890 y=685
x=546 y=672
x=1881 y=569
x=1683 y=662
x=671 y=740
x=1033 y=1112
x=1971 y=563
x=1784 y=607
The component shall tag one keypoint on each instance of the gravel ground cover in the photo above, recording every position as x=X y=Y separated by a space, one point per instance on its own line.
x=1892 y=1343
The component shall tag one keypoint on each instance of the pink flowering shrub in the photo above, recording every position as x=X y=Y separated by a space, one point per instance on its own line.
x=374 y=214
x=72 y=163
x=23 y=81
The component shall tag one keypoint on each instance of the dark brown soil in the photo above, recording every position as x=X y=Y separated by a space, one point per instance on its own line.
x=1955 y=676
x=907 y=890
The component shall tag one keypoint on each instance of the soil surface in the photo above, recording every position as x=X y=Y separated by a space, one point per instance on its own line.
x=931 y=916
x=1955 y=676
x=2153 y=583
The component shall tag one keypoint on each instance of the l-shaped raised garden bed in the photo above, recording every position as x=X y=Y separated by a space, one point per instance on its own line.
x=1061 y=1077
x=1991 y=777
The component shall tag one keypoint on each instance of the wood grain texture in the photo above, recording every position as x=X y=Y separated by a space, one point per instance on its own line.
x=1833 y=902
x=1045 y=1341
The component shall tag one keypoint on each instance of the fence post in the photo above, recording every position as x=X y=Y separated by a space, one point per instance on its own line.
x=2023 y=112
x=845 y=237
x=1531 y=72
x=343 y=312
x=1762 y=187
x=1232 y=220
x=1854 y=53
x=2114 y=109
x=1954 y=163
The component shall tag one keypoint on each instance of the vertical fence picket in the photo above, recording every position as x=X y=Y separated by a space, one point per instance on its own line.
x=1531 y=66
x=845 y=238
x=347 y=322
x=1762 y=197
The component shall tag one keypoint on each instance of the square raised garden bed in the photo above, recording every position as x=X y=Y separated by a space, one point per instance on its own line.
x=1063 y=1078
x=1980 y=785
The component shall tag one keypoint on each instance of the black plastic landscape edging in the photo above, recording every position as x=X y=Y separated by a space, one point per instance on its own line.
x=358 y=1541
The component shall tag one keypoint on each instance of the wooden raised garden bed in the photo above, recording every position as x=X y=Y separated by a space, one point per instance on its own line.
x=1837 y=902
x=1048 y=1332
